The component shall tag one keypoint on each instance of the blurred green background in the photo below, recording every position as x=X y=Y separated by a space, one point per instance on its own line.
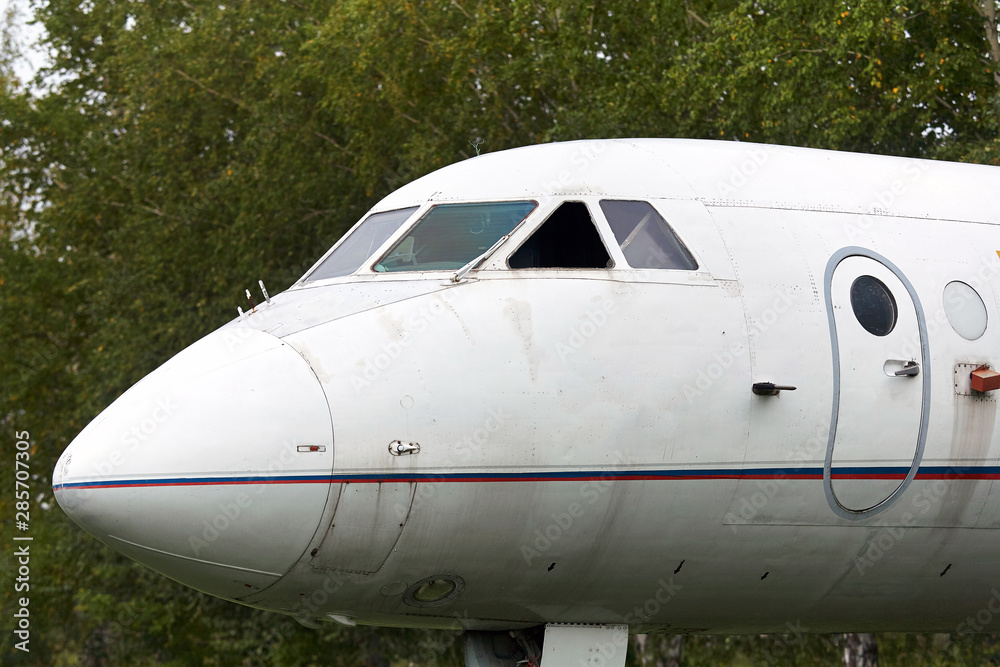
x=169 y=153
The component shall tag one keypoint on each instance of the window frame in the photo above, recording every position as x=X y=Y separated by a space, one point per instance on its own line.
x=364 y=268
x=544 y=213
x=698 y=263
x=306 y=280
x=422 y=213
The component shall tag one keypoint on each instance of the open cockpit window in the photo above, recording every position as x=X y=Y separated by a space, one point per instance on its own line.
x=360 y=244
x=646 y=240
x=449 y=236
x=568 y=239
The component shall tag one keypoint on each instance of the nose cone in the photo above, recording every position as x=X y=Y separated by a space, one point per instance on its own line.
x=213 y=470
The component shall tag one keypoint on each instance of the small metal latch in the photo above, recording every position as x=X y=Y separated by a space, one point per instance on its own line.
x=398 y=448
x=909 y=369
x=769 y=388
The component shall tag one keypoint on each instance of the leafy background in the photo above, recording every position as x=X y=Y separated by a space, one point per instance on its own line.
x=175 y=151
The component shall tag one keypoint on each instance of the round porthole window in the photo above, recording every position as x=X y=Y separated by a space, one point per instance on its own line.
x=965 y=310
x=434 y=591
x=873 y=305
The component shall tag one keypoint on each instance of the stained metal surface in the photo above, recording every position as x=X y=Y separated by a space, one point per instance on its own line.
x=589 y=449
x=366 y=525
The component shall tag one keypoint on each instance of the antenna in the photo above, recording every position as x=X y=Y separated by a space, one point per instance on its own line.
x=267 y=297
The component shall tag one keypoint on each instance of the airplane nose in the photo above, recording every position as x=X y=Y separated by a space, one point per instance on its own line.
x=213 y=470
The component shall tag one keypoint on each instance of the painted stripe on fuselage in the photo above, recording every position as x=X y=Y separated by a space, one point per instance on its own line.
x=888 y=472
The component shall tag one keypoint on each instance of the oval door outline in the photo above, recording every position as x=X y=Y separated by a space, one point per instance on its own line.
x=925 y=375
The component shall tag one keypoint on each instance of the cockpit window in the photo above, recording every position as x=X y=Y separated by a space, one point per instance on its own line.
x=568 y=239
x=360 y=244
x=449 y=236
x=646 y=240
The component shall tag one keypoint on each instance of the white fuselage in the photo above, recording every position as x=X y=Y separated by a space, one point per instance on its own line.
x=583 y=445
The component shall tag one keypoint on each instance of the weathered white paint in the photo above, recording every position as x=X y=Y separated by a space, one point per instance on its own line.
x=590 y=449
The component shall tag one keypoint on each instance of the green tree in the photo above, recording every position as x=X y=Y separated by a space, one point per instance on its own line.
x=872 y=76
x=178 y=150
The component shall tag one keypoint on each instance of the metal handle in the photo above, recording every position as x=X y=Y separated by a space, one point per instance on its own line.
x=909 y=369
x=399 y=448
x=769 y=388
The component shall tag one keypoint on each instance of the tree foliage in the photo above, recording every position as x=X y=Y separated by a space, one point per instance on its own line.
x=178 y=150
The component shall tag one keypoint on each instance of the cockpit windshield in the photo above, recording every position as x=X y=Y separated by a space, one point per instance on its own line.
x=449 y=236
x=360 y=244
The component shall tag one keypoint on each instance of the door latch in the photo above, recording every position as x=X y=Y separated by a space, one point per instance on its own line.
x=399 y=448
x=769 y=388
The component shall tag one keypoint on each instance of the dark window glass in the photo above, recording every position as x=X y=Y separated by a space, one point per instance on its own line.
x=449 y=236
x=568 y=239
x=361 y=244
x=646 y=240
x=873 y=305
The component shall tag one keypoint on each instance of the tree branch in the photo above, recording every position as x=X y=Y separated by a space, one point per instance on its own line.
x=332 y=142
x=195 y=81
x=150 y=209
x=948 y=106
x=314 y=213
x=460 y=8
x=988 y=10
x=697 y=18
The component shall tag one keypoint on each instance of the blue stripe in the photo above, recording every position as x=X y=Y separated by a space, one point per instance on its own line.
x=925 y=472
